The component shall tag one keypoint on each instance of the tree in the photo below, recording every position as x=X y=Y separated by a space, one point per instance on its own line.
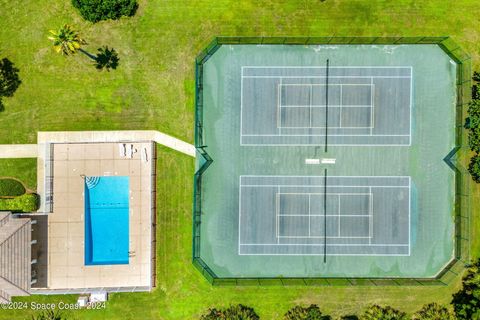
x=311 y=312
x=9 y=79
x=433 y=311
x=96 y=10
x=474 y=168
x=376 y=312
x=66 y=40
x=466 y=302
x=237 y=312
x=106 y=59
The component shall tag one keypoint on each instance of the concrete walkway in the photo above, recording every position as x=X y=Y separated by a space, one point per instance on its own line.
x=117 y=136
x=18 y=151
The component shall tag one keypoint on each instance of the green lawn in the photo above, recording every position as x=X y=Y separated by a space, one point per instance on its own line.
x=153 y=89
x=23 y=169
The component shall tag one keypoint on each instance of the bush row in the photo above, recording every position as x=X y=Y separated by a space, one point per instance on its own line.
x=465 y=304
x=472 y=123
x=25 y=203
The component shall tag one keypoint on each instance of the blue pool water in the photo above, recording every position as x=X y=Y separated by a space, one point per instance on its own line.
x=106 y=220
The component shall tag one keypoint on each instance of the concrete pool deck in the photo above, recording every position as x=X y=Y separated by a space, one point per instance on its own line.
x=66 y=267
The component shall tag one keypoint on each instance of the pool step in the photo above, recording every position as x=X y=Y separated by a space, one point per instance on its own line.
x=92 y=182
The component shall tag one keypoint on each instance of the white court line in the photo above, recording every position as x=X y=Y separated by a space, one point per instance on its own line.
x=323 y=85
x=328 y=215
x=330 y=135
x=320 y=127
x=277 y=212
x=330 y=77
x=321 y=254
x=372 y=111
x=323 y=67
x=328 y=193
x=341 y=109
x=322 y=244
x=279 y=110
x=339 y=214
x=411 y=101
x=320 y=177
x=322 y=236
x=321 y=144
x=309 y=215
x=315 y=186
x=329 y=106
x=370 y=220
x=310 y=107
x=409 y=213
x=241 y=105
x=239 y=214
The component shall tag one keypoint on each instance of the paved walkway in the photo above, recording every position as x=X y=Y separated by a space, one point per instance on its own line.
x=18 y=151
x=117 y=136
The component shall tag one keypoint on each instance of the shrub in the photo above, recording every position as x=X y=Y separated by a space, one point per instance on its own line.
x=433 y=311
x=96 y=10
x=472 y=123
x=25 y=203
x=11 y=188
x=237 y=312
x=376 y=312
x=476 y=76
x=305 y=313
x=475 y=92
x=466 y=302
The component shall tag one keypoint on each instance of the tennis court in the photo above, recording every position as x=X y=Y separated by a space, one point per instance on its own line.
x=328 y=161
x=302 y=105
x=324 y=215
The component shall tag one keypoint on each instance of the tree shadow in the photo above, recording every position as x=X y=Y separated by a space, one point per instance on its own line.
x=349 y=317
x=107 y=59
x=9 y=79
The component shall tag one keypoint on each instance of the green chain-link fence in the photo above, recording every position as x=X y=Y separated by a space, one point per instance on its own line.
x=462 y=179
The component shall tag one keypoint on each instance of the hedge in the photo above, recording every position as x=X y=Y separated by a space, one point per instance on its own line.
x=25 y=203
x=96 y=10
x=11 y=188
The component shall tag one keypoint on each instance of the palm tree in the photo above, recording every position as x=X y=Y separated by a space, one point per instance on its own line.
x=66 y=40
x=106 y=58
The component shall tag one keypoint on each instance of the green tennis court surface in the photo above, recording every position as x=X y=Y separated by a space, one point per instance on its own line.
x=328 y=169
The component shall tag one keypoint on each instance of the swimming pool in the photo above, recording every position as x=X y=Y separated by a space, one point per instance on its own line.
x=106 y=220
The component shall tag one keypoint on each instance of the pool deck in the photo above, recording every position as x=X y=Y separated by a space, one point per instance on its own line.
x=66 y=267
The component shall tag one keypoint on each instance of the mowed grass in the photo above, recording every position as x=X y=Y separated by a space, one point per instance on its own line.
x=24 y=170
x=153 y=88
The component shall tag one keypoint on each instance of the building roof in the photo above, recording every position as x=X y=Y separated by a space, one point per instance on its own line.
x=15 y=256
